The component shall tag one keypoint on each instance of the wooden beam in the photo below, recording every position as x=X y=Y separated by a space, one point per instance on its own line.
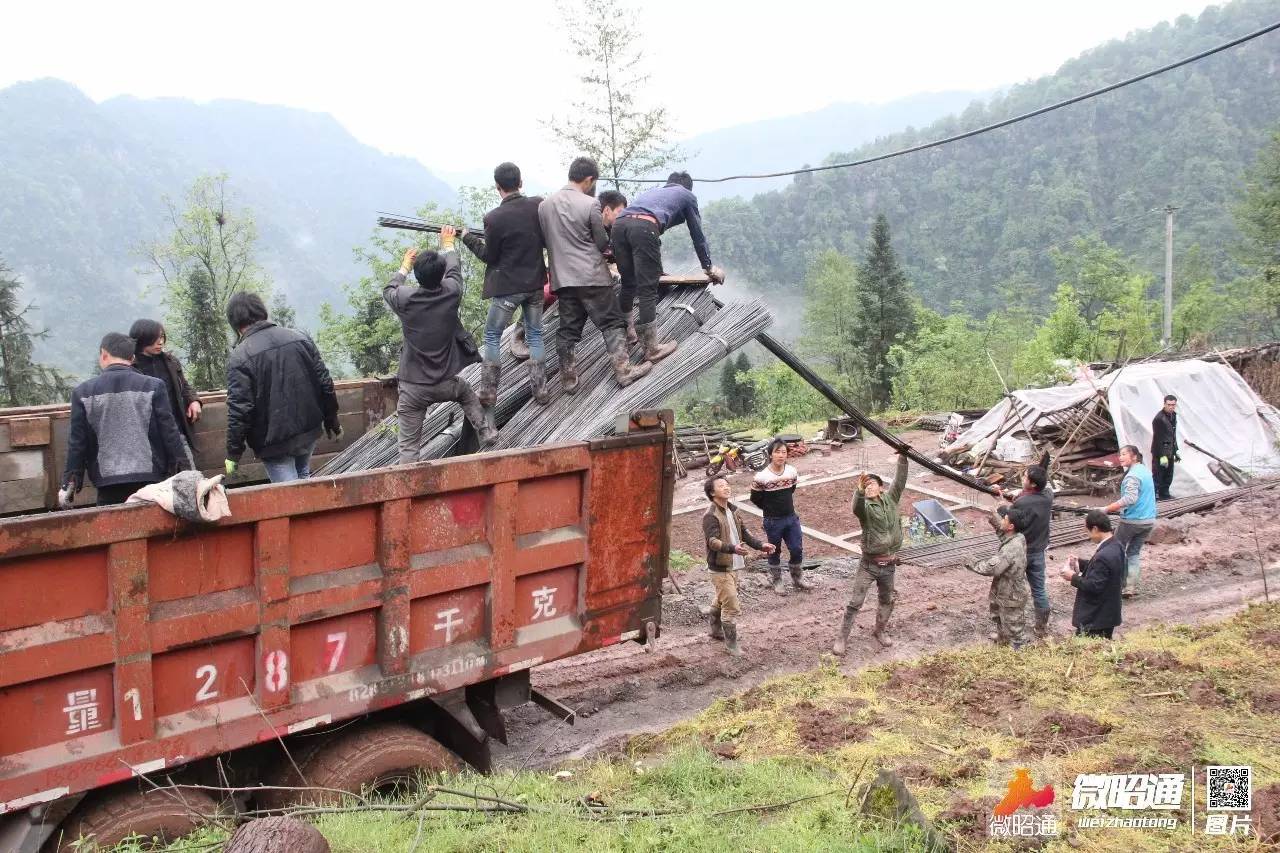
x=808 y=531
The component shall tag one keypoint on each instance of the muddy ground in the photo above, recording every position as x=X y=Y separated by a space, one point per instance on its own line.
x=625 y=690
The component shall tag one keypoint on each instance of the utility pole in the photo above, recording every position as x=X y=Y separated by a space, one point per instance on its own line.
x=1167 y=337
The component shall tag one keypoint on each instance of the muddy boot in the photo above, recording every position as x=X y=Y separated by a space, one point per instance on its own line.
x=568 y=369
x=838 y=647
x=519 y=349
x=538 y=382
x=654 y=351
x=797 y=578
x=624 y=372
x=731 y=639
x=717 y=628
x=481 y=420
x=881 y=633
x=775 y=579
x=490 y=373
x=1041 y=627
x=633 y=337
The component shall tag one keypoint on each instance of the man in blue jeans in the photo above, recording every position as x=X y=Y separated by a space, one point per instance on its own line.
x=1137 y=508
x=1036 y=503
x=773 y=490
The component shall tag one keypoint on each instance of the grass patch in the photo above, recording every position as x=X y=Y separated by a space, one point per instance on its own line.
x=954 y=725
x=681 y=561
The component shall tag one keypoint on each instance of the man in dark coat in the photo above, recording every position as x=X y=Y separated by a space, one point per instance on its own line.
x=279 y=393
x=1164 y=446
x=1036 y=503
x=1098 y=580
x=515 y=271
x=122 y=429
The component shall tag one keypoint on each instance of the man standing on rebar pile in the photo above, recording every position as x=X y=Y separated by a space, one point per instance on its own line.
x=122 y=429
x=431 y=358
x=1036 y=503
x=1137 y=508
x=773 y=490
x=574 y=227
x=279 y=393
x=637 y=245
x=1164 y=446
x=1008 y=572
x=727 y=541
x=877 y=511
x=1098 y=580
x=511 y=249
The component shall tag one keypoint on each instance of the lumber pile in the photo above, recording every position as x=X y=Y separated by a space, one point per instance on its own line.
x=695 y=445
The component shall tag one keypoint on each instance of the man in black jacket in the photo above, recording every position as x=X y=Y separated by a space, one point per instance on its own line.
x=515 y=272
x=279 y=394
x=122 y=429
x=1036 y=503
x=1098 y=580
x=1164 y=446
x=432 y=357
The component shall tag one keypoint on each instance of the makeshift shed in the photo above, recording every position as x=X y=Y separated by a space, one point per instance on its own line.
x=1217 y=411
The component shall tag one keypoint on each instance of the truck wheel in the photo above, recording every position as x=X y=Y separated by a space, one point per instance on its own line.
x=111 y=818
x=377 y=756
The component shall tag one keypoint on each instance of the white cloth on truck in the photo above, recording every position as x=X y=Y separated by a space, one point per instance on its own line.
x=188 y=495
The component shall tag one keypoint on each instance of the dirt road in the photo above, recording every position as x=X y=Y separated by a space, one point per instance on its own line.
x=625 y=690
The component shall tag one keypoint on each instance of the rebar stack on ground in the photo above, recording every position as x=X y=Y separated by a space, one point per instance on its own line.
x=1065 y=531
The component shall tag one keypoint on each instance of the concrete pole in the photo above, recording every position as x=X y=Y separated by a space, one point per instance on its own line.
x=1167 y=336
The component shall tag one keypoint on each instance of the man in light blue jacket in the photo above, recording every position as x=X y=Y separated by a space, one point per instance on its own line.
x=1137 y=508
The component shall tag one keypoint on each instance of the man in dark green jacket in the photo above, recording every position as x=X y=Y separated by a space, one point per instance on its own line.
x=877 y=511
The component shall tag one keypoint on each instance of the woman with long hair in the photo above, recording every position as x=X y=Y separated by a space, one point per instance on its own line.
x=151 y=359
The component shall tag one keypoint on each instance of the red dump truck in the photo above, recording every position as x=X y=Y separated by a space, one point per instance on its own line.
x=351 y=629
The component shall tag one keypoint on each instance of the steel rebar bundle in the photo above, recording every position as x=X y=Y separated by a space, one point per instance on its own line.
x=413 y=223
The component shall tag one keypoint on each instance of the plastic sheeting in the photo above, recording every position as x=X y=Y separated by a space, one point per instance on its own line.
x=1217 y=410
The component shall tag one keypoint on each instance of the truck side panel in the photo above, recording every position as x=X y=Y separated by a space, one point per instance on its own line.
x=131 y=641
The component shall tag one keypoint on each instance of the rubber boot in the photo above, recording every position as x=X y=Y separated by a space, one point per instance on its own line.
x=624 y=372
x=797 y=578
x=538 y=382
x=484 y=427
x=519 y=349
x=881 y=632
x=731 y=639
x=775 y=579
x=717 y=628
x=1041 y=627
x=568 y=368
x=633 y=337
x=490 y=374
x=839 y=646
x=654 y=351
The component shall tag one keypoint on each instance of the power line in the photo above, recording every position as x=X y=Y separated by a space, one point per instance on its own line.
x=985 y=128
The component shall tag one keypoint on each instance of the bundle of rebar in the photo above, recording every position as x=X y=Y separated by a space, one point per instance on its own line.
x=413 y=223
x=1065 y=531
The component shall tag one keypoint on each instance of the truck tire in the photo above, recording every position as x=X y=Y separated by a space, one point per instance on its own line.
x=376 y=755
x=112 y=817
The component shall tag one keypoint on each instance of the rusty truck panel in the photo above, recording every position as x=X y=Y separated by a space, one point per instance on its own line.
x=131 y=641
x=33 y=443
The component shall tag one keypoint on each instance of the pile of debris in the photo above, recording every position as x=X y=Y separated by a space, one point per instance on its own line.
x=695 y=445
x=1226 y=432
x=707 y=333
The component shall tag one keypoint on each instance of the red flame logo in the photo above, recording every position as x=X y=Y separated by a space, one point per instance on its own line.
x=1022 y=793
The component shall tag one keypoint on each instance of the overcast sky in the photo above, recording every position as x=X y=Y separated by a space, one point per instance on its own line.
x=461 y=86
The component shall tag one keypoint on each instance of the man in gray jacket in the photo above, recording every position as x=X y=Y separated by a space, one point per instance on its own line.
x=573 y=226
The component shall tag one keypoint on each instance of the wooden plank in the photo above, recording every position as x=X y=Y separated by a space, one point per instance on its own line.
x=22 y=495
x=21 y=464
x=808 y=531
x=29 y=432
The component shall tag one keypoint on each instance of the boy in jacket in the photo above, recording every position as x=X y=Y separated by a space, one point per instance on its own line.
x=1007 y=569
x=727 y=541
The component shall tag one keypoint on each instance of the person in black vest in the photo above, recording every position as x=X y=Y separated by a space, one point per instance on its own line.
x=122 y=429
x=515 y=271
x=151 y=359
x=1098 y=580
x=1164 y=446
x=279 y=393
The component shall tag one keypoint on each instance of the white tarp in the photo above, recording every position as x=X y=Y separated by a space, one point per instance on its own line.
x=1217 y=410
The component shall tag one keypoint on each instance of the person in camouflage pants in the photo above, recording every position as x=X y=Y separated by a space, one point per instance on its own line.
x=1007 y=568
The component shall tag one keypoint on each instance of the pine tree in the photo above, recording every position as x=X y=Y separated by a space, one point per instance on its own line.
x=23 y=382
x=883 y=314
x=746 y=390
x=204 y=330
x=729 y=386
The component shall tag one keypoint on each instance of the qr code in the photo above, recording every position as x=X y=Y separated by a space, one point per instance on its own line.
x=1230 y=788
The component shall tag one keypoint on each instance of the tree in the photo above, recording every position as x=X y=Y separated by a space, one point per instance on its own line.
x=608 y=125
x=787 y=399
x=207 y=256
x=23 y=381
x=282 y=313
x=1257 y=296
x=831 y=326
x=746 y=391
x=882 y=312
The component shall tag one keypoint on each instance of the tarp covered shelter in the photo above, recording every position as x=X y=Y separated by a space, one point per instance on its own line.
x=1217 y=410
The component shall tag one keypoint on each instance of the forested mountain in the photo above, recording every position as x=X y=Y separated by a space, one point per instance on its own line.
x=82 y=186
x=782 y=143
x=978 y=218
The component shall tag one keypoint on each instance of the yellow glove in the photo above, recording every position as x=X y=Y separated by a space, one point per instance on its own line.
x=230 y=466
x=1164 y=461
